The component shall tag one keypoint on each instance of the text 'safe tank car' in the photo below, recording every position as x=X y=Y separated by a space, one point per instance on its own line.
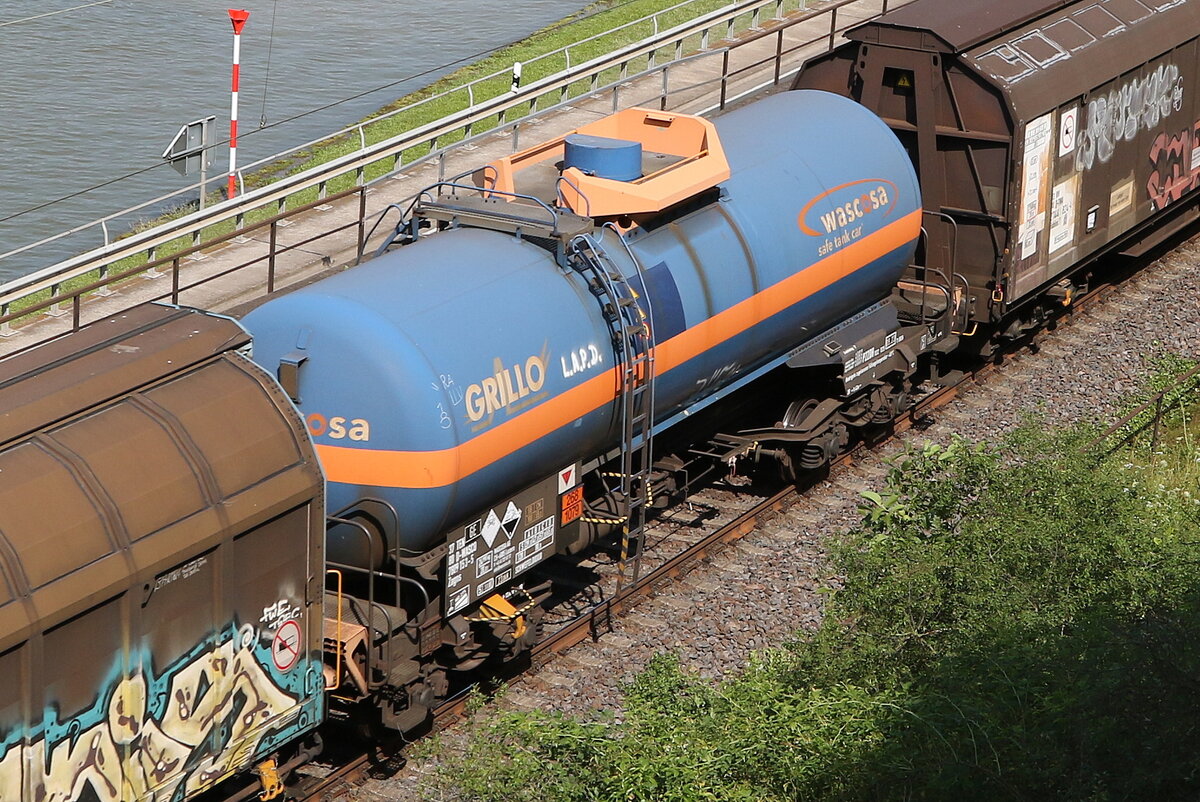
x=448 y=374
x=161 y=554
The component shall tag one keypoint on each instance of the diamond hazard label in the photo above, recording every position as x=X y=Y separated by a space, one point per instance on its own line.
x=566 y=479
x=491 y=528
x=512 y=519
x=509 y=538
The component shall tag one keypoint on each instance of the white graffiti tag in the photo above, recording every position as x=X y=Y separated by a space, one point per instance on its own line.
x=1117 y=116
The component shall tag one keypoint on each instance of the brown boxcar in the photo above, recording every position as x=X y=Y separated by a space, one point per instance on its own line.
x=1045 y=133
x=161 y=557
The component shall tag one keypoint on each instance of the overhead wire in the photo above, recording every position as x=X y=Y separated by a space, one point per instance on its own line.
x=53 y=13
x=262 y=120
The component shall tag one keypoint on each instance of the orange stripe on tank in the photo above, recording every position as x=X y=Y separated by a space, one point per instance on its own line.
x=428 y=469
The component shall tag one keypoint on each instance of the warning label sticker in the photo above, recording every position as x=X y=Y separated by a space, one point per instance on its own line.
x=511 y=520
x=491 y=528
x=566 y=478
x=286 y=646
x=506 y=540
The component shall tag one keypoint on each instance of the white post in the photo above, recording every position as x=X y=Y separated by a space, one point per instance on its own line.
x=238 y=18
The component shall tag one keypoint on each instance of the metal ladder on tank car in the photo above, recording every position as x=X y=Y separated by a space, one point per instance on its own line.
x=633 y=345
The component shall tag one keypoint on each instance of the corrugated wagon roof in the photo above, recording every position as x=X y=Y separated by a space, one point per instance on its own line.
x=1041 y=53
x=962 y=24
x=127 y=445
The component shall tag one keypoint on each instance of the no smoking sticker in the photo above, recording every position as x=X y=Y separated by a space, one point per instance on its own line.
x=285 y=649
x=1068 y=131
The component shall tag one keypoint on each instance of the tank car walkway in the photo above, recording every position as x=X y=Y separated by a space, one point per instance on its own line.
x=300 y=264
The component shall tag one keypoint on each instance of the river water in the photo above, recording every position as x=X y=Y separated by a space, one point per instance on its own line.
x=98 y=92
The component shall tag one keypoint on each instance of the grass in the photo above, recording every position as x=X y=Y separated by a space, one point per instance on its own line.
x=1017 y=623
x=425 y=106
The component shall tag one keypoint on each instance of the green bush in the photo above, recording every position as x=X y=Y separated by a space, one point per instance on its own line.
x=1014 y=623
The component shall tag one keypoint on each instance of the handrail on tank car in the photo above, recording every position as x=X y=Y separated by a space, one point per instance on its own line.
x=337 y=663
x=482 y=190
x=416 y=621
x=387 y=243
x=486 y=171
x=561 y=199
x=613 y=227
x=395 y=521
x=483 y=175
x=641 y=271
x=920 y=276
x=361 y=529
x=410 y=216
x=924 y=270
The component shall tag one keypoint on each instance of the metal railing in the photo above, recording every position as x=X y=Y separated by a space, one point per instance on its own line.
x=479 y=91
x=70 y=281
x=1148 y=418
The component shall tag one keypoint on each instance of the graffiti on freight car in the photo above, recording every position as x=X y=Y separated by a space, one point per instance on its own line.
x=1117 y=116
x=447 y=390
x=162 y=736
x=1175 y=165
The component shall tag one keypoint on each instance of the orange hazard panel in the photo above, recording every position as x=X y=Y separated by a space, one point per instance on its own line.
x=572 y=505
x=691 y=154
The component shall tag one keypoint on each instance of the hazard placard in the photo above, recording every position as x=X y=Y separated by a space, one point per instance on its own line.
x=572 y=505
x=567 y=478
x=506 y=539
x=285 y=649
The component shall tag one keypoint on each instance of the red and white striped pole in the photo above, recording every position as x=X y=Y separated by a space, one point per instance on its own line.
x=238 y=17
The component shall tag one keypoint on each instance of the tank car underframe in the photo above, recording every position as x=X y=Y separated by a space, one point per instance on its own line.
x=822 y=395
x=391 y=651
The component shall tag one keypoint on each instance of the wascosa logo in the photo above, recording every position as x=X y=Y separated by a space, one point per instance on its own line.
x=844 y=205
x=338 y=427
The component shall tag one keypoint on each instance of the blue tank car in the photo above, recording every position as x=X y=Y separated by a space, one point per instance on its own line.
x=446 y=375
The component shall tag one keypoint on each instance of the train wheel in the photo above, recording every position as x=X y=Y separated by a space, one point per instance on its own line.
x=797 y=412
x=894 y=401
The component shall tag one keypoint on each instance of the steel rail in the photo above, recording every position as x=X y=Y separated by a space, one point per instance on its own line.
x=591 y=623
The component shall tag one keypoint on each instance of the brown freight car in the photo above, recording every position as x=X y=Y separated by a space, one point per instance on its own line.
x=161 y=563
x=1045 y=133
